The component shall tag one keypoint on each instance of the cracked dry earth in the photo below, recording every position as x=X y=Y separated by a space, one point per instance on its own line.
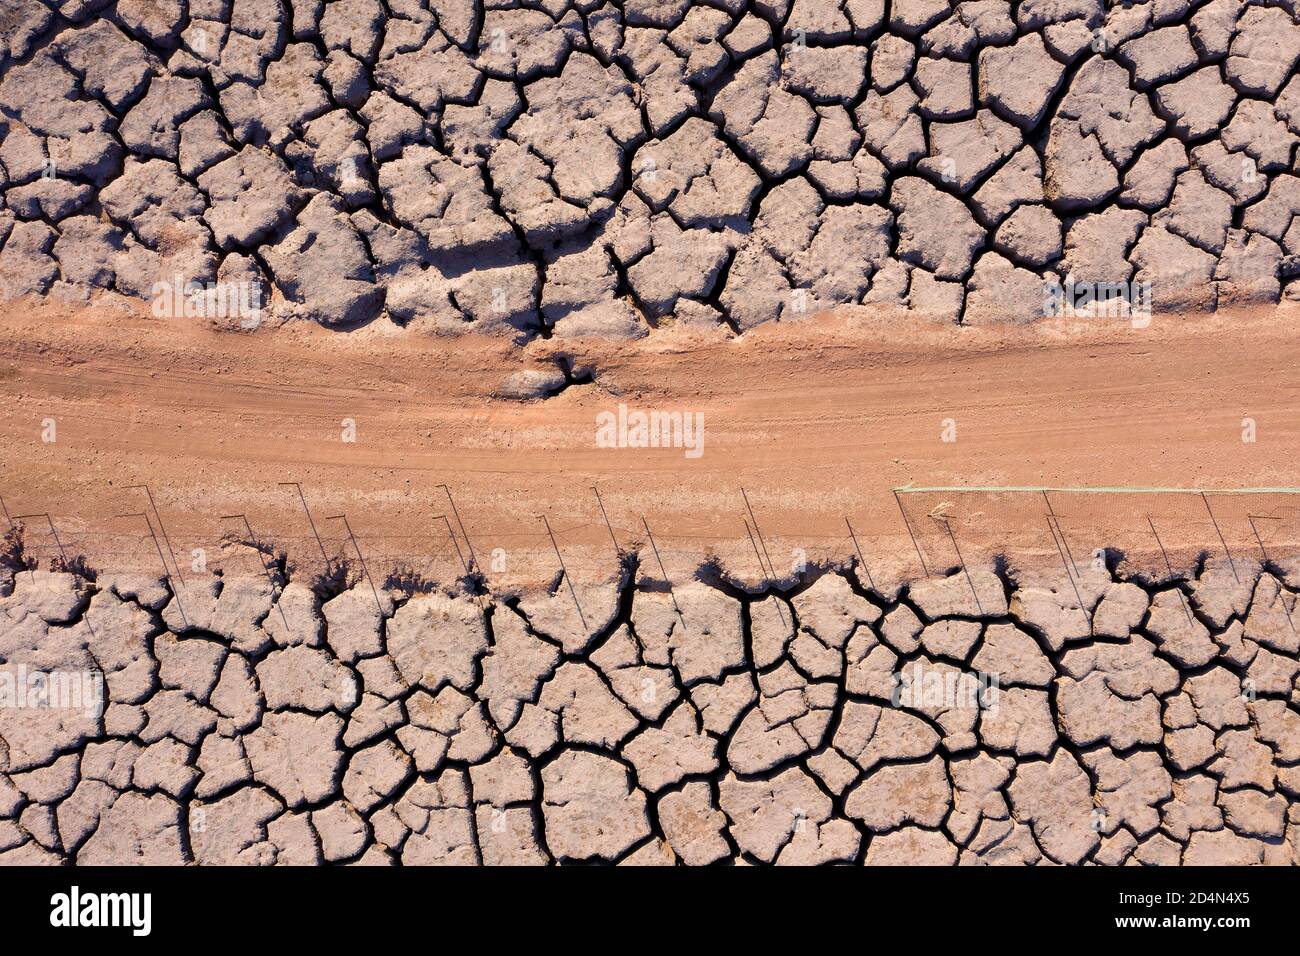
x=577 y=167
x=758 y=727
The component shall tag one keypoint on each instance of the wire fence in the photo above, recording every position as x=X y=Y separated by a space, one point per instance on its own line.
x=497 y=555
x=1155 y=532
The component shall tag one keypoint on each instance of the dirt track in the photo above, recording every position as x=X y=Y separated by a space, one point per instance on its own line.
x=816 y=423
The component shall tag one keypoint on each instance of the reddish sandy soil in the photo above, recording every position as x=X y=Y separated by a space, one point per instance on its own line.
x=817 y=421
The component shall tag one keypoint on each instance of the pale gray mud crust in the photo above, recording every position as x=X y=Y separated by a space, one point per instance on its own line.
x=590 y=167
x=966 y=719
